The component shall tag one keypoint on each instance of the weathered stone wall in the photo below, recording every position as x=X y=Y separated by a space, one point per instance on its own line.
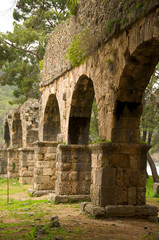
x=118 y=174
x=116 y=70
x=30 y=118
x=20 y=132
x=26 y=165
x=73 y=170
x=103 y=20
x=13 y=163
x=21 y=125
x=44 y=165
x=3 y=161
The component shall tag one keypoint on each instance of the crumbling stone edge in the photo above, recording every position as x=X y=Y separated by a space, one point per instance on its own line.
x=39 y=193
x=68 y=198
x=128 y=211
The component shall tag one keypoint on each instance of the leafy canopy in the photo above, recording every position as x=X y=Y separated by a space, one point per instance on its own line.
x=22 y=51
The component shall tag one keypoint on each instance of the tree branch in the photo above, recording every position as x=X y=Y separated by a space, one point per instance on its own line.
x=24 y=50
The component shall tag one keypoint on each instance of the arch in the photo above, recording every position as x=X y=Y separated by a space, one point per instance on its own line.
x=17 y=131
x=6 y=134
x=133 y=82
x=80 y=113
x=51 y=122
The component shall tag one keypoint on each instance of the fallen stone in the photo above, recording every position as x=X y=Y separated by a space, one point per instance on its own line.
x=54 y=222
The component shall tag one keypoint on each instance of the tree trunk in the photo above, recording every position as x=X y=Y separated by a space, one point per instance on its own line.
x=144 y=134
x=149 y=137
x=153 y=168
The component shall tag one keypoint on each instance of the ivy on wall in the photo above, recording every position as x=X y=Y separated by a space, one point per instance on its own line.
x=77 y=53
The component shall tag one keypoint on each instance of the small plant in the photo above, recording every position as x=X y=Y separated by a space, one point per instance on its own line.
x=109 y=61
x=139 y=5
x=72 y=6
x=77 y=52
x=111 y=24
x=99 y=140
x=143 y=142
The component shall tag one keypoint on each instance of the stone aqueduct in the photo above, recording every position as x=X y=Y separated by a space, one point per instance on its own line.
x=124 y=40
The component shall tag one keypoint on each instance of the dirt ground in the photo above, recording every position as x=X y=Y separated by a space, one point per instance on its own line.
x=82 y=225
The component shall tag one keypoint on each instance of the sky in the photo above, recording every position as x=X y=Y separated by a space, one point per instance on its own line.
x=6 y=9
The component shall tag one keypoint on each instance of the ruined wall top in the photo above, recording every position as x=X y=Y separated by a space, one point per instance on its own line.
x=26 y=117
x=102 y=19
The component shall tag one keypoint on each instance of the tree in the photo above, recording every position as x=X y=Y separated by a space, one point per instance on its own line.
x=23 y=50
x=150 y=119
x=149 y=125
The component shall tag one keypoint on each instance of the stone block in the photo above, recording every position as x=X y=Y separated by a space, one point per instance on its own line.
x=119 y=177
x=26 y=174
x=39 y=157
x=65 y=166
x=47 y=172
x=105 y=177
x=146 y=210
x=141 y=195
x=51 y=150
x=94 y=210
x=106 y=196
x=132 y=195
x=73 y=176
x=120 y=211
x=120 y=160
x=50 y=157
x=121 y=195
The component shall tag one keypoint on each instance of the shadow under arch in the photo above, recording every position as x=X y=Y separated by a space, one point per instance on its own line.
x=51 y=122
x=133 y=82
x=6 y=134
x=17 y=131
x=80 y=113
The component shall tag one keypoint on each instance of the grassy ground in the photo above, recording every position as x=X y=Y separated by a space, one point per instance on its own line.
x=28 y=218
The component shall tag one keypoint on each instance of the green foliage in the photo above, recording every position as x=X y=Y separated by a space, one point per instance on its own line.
x=72 y=6
x=149 y=124
x=149 y=188
x=41 y=65
x=77 y=52
x=110 y=25
x=99 y=140
x=22 y=50
x=139 y=5
x=93 y=131
x=108 y=61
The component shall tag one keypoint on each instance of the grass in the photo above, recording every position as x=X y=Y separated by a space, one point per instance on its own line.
x=149 y=188
x=30 y=219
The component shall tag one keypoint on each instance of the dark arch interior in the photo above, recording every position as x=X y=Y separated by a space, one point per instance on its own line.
x=51 y=120
x=6 y=134
x=80 y=114
x=17 y=131
x=134 y=80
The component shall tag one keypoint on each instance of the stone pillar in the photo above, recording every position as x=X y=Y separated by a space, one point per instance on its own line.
x=44 y=168
x=26 y=165
x=73 y=171
x=119 y=180
x=13 y=163
x=3 y=161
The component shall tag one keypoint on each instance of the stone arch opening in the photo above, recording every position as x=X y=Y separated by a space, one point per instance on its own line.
x=80 y=113
x=133 y=82
x=6 y=135
x=17 y=131
x=51 y=119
